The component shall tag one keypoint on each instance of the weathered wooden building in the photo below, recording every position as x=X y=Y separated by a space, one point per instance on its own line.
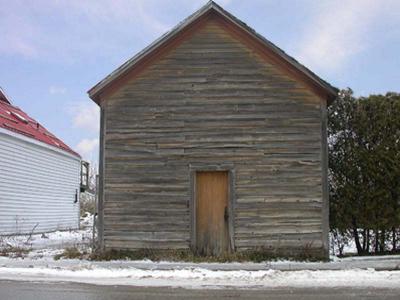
x=214 y=139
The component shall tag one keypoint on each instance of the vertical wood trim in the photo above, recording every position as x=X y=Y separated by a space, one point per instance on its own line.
x=192 y=209
x=325 y=187
x=231 y=208
x=100 y=216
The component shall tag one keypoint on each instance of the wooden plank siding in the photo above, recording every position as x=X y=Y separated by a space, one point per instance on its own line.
x=213 y=101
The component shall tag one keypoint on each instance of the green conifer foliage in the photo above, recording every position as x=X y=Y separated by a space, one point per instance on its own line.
x=364 y=169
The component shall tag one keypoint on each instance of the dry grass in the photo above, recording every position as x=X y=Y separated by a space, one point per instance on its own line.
x=189 y=256
x=14 y=252
x=72 y=253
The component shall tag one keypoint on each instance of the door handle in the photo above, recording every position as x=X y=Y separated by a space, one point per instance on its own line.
x=226 y=214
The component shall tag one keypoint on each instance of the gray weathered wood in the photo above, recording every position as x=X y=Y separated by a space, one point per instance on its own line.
x=100 y=197
x=214 y=102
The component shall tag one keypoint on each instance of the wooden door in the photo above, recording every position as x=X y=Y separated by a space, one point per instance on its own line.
x=212 y=214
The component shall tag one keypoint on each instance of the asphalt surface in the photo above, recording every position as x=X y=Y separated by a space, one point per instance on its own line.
x=20 y=290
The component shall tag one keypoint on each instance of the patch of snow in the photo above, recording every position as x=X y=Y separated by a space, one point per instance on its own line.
x=200 y=278
x=350 y=247
x=87 y=220
x=52 y=243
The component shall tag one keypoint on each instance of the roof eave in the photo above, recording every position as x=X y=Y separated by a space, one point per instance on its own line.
x=331 y=91
x=96 y=91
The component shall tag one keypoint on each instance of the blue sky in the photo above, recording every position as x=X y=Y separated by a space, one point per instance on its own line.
x=52 y=52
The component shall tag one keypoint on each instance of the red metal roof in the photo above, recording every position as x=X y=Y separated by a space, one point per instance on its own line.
x=14 y=119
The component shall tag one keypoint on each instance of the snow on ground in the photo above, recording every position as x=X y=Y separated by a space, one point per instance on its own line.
x=52 y=243
x=348 y=248
x=38 y=265
x=200 y=278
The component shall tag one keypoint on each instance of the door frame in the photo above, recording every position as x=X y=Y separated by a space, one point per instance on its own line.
x=229 y=168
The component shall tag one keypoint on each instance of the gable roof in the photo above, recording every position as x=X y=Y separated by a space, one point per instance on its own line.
x=211 y=9
x=15 y=120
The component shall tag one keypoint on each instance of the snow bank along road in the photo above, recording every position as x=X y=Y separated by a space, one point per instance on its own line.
x=198 y=278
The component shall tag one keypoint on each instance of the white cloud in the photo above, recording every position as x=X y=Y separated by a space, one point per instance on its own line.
x=338 y=31
x=54 y=90
x=88 y=149
x=64 y=30
x=85 y=115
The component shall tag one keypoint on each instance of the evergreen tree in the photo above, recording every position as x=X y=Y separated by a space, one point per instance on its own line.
x=364 y=165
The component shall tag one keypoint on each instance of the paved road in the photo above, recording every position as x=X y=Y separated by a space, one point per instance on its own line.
x=19 y=290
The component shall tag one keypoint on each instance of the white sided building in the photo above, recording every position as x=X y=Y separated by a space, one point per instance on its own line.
x=40 y=176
